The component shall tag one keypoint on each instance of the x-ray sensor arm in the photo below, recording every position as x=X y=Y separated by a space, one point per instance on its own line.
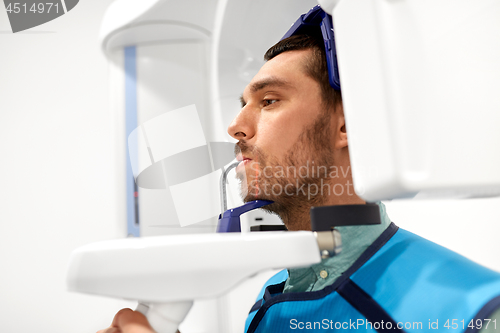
x=167 y=273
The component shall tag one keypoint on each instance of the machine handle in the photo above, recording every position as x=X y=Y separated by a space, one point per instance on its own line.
x=165 y=317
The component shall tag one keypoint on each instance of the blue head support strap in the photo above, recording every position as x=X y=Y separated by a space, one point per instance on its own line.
x=316 y=18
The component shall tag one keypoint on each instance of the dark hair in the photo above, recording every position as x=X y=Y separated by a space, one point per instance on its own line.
x=315 y=67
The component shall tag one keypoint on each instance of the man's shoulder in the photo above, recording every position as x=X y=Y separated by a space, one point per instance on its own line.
x=420 y=255
x=417 y=271
x=277 y=278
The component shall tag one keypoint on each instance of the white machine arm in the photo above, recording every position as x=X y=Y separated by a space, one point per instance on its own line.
x=167 y=273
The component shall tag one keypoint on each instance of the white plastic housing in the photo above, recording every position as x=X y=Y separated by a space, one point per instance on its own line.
x=420 y=84
x=167 y=269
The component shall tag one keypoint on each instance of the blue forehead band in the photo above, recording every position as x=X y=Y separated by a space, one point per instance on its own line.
x=316 y=18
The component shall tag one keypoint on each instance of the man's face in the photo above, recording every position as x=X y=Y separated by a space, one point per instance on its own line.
x=285 y=135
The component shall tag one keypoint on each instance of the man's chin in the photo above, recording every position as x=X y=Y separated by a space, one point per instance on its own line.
x=249 y=198
x=271 y=208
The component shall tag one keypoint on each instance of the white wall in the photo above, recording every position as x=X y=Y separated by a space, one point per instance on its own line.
x=56 y=188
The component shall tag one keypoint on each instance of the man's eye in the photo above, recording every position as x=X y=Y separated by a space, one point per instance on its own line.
x=268 y=102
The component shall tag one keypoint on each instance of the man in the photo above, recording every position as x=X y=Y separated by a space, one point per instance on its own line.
x=293 y=147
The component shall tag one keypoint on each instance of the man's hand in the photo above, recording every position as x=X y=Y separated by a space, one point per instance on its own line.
x=128 y=321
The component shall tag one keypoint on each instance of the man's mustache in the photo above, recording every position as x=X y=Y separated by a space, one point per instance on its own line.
x=241 y=147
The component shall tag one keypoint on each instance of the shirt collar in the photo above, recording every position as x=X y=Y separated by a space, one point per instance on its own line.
x=355 y=240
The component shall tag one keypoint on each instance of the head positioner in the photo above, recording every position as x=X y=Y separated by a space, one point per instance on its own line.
x=315 y=19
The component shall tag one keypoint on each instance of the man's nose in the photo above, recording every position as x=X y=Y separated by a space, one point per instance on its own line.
x=243 y=126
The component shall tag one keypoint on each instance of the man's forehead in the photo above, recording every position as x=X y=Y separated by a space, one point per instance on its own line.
x=282 y=71
x=271 y=80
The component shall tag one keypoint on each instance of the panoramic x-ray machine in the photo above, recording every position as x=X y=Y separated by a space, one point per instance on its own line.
x=420 y=82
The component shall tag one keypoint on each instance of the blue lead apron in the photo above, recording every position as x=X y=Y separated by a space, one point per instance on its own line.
x=401 y=283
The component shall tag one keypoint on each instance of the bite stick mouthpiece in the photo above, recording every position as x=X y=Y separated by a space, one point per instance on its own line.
x=230 y=220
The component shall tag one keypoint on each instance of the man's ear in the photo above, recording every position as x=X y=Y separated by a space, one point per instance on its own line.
x=341 y=133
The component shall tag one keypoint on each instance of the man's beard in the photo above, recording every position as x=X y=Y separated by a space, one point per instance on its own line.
x=284 y=181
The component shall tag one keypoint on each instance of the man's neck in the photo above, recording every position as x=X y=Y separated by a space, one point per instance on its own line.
x=299 y=217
